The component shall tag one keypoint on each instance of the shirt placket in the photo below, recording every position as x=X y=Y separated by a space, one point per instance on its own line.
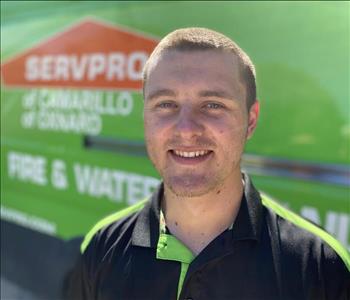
x=170 y=248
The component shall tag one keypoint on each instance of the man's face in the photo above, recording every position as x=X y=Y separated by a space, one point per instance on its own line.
x=196 y=120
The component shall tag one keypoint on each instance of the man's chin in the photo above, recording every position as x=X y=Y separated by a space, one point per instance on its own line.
x=189 y=186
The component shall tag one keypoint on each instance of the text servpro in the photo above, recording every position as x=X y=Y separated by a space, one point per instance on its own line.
x=111 y=66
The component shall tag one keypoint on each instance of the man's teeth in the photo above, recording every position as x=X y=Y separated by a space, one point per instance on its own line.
x=191 y=154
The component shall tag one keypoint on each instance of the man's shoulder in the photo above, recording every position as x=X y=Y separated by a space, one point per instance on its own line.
x=108 y=228
x=302 y=242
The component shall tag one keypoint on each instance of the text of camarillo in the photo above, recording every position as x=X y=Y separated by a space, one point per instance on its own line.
x=109 y=66
x=101 y=102
x=73 y=111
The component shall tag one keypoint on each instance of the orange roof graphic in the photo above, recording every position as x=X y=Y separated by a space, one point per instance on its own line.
x=90 y=54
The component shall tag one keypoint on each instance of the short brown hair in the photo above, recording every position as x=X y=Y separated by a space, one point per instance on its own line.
x=196 y=38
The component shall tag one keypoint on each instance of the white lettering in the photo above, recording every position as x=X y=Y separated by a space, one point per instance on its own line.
x=118 y=179
x=88 y=123
x=116 y=68
x=26 y=167
x=73 y=111
x=97 y=65
x=112 y=184
x=135 y=65
x=32 y=71
x=150 y=184
x=29 y=99
x=46 y=68
x=135 y=188
x=105 y=185
x=28 y=119
x=58 y=174
x=101 y=102
x=85 y=179
x=124 y=103
x=78 y=69
x=29 y=221
x=62 y=65
x=109 y=66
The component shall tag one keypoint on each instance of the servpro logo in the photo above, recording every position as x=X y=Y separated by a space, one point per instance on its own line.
x=110 y=67
x=90 y=54
x=80 y=78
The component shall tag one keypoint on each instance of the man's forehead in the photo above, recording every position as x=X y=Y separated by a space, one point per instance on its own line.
x=208 y=70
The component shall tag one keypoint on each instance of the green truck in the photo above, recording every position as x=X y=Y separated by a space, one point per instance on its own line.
x=72 y=148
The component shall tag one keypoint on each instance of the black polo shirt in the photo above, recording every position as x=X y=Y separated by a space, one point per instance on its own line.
x=269 y=253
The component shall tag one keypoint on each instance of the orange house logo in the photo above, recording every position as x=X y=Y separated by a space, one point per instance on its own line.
x=90 y=54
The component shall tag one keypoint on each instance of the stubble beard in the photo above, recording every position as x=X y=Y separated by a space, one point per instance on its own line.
x=191 y=184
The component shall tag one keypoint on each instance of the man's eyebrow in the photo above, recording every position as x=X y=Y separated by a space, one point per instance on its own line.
x=215 y=93
x=161 y=93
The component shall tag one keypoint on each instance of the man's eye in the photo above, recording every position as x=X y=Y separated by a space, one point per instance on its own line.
x=214 y=106
x=166 y=105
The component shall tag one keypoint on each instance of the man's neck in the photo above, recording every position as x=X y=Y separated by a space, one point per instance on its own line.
x=196 y=221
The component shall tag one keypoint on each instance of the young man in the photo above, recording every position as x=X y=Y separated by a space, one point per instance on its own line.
x=206 y=233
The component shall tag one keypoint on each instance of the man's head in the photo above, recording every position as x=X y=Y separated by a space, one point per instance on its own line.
x=199 y=109
x=196 y=39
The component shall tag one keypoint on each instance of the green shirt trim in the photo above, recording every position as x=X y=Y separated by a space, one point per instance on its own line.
x=183 y=272
x=303 y=223
x=109 y=220
x=170 y=248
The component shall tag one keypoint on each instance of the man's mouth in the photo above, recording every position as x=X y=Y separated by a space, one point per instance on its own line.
x=190 y=157
x=191 y=153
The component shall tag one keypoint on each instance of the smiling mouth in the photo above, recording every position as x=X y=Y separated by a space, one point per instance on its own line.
x=190 y=153
x=190 y=157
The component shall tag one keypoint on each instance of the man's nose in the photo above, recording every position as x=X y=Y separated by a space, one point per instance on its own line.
x=188 y=123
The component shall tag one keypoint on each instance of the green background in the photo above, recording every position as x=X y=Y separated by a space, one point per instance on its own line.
x=301 y=52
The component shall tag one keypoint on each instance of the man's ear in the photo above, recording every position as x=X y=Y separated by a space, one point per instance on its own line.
x=253 y=116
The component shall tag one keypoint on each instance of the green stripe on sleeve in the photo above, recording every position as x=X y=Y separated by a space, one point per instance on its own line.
x=110 y=219
x=303 y=223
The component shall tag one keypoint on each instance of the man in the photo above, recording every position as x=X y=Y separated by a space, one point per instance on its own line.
x=206 y=233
